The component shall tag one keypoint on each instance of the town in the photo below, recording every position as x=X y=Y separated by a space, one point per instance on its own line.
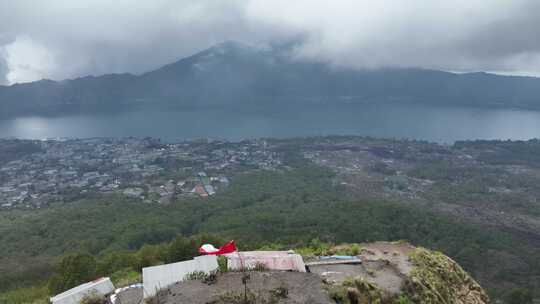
x=37 y=173
x=34 y=174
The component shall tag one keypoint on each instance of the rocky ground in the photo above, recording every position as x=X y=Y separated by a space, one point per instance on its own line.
x=386 y=265
x=389 y=273
x=263 y=287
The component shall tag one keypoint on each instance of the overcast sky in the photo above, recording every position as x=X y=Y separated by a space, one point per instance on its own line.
x=60 y=39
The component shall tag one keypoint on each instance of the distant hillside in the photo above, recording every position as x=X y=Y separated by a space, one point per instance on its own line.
x=231 y=73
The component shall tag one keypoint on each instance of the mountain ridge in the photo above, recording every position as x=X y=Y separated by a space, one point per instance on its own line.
x=233 y=74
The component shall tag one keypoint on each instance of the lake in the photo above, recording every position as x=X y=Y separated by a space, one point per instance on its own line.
x=438 y=124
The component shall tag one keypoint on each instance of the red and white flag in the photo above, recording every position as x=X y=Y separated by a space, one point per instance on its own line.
x=210 y=249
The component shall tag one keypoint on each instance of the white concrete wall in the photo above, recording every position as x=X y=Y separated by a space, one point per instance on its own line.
x=162 y=276
x=102 y=286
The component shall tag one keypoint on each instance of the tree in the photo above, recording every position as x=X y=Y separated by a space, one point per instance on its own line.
x=181 y=249
x=114 y=261
x=150 y=255
x=519 y=296
x=73 y=270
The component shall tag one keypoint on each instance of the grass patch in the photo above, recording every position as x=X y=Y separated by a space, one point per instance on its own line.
x=31 y=295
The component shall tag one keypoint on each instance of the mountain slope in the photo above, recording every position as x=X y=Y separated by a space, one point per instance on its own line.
x=232 y=73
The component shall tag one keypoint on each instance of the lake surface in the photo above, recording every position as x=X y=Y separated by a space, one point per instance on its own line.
x=439 y=124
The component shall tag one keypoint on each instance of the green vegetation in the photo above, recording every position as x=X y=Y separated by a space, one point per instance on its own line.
x=360 y=291
x=437 y=279
x=30 y=295
x=434 y=279
x=126 y=277
x=222 y=263
x=296 y=208
x=197 y=275
x=74 y=270
x=124 y=267
x=519 y=296
x=480 y=186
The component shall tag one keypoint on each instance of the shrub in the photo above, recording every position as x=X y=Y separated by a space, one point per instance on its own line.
x=181 y=249
x=518 y=296
x=222 y=264
x=115 y=261
x=73 y=270
x=352 y=249
x=150 y=255
x=403 y=300
x=196 y=275
x=125 y=277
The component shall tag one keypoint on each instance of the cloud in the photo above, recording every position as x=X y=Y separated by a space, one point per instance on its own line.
x=64 y=39
x=26 y=60
x=3 y=70
x=101 y=36
x=458 y=35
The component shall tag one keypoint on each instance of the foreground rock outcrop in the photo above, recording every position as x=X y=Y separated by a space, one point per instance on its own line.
x=388 y=273
x=401 y=273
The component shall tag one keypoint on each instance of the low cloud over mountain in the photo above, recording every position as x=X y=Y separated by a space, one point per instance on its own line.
x=60 y=39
